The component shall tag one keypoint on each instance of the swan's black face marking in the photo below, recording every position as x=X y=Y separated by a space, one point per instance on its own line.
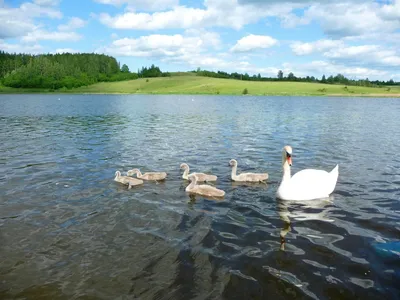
x=288 y=155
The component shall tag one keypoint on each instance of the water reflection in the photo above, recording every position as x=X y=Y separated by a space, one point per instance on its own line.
x=290 y=211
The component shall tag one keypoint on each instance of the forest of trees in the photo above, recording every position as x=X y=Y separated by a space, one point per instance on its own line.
x=67 y=70
x=54 y=71
x=338 y=79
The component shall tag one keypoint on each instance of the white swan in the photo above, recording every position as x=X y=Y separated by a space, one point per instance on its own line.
x=246 y=177
x=306 y=184
x=129 y=181
x=148 y=175
x=203 y=189
x=201 y=177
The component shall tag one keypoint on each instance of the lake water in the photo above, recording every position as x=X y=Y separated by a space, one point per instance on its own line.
x=68 y=231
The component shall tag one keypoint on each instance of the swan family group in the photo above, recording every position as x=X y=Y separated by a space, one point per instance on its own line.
x=307 y=184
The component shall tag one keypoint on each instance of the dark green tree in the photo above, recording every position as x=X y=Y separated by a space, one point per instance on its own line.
x=280 y=75
x=291 y=77
x=124 y=69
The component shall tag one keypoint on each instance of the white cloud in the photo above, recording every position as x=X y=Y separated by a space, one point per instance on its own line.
x=254 y=42
x=374 y=55
x=351 y=52
x=72 y=24
x=16 y=22
x=180 y=17
x=142 y=4
x=10 y=27
x=344 y=18
x=38 y=35
x=361 y=55
x=155 y=46
x=300 y=48
x=32 y=10
x=66 y=50
x=315 y=68
x=221 y=62
x=46 y=2
x=391 y=11
x=223 y=13
x=322 y=67
x=20 y=48
x=208 y=38
x=338 y=19
x=190 y=49
x=199 y=60
x=114 y=36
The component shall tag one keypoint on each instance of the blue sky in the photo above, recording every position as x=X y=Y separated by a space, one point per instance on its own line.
x=358 y=38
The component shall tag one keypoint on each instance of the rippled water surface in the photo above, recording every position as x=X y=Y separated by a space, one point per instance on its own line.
x=68 y=231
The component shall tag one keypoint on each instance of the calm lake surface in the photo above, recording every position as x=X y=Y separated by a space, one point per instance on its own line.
x=68 y=231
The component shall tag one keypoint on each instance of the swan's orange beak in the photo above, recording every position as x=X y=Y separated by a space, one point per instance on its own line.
x=289 y=160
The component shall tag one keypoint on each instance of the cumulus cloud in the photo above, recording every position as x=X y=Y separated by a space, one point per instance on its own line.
x=254 y=42
x=345 y=19
x=323 y=67
x=222 y=13
x=180 y=17
x=391 y=11
x=377 y=56
x=38 y=35
x=338 y=19
x=208 y=38
x=32 y=10
x=10 y=28
x=46 y=2
x=151 y=5
x=66 y=50
x=192 y=48
x=73 y=23
x=371 y=55
x=157 y=45
x=16 y=22
x=300 y=48
x=20 y=48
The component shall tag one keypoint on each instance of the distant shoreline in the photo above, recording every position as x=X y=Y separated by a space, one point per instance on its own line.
x=198 y=85
x=199 y=94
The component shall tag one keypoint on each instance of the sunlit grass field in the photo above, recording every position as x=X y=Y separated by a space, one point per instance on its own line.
x=214 y=86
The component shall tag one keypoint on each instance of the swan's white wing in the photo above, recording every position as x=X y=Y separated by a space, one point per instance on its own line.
x=309 y=176
x=309 y=184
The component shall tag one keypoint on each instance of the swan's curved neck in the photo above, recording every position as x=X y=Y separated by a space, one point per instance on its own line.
x=185 y=173
x=286 y=171
x=191 y=185
x=234 y=170
x=138 y=173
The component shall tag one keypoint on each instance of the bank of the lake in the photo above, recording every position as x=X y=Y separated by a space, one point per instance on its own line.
x=192 y=85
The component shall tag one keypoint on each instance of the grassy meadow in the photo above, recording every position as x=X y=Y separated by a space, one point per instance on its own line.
x=205 y=85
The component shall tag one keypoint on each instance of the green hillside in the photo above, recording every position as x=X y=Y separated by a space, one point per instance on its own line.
x=207 y=85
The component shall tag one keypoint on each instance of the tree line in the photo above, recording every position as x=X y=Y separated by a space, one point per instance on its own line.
x=152 y=71
x=66 y=70
x=338 y=79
